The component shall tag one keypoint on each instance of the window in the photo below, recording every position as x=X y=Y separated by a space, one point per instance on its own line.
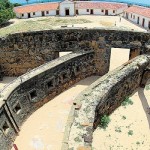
x=102 y=10
x=131 y=15
x=77 y=12
x=113 y=11
x=5 y=128
x=149 y=25
x=50 y=84
x=33 y=13
x=33 y=94
x=87 y=10
x=22 y=15
x=57 y=12
x=47 y=12
x=17 y=108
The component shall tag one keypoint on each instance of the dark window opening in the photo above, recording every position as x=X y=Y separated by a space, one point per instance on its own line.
x=102 y=10
x=29 y=16
x=22 y=15
x=33 y=94
x=33 y=13
x=113 y=11
x=131 y=15
x=143 y=23
x=5 y=128
x=65 y=76
x=149 y=25
x=43 y=14
x=106 y=12
x=77 y=12
x=50 y=84
x=78 y=68
x=57 y=12
x=138 y=20
x=17 y=108
x=67 y=12
x=91 y=12
x=47 y=12
x=87 y=10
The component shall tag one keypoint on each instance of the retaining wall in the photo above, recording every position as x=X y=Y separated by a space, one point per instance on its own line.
x=101 y=98
x=21 y=52
x=30 y=91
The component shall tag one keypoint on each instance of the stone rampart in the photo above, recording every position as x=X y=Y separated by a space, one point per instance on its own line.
x=30 y=91
x=102 y=98
x=21 y=52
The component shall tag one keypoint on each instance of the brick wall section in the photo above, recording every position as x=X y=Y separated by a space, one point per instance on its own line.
x=32 y=90
x=21 y=52
x=102 y=97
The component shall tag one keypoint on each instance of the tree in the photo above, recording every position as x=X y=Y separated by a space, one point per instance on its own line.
x=6 y=11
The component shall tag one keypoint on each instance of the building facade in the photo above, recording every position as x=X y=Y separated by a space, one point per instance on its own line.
x=138 y=15
x=70 y=8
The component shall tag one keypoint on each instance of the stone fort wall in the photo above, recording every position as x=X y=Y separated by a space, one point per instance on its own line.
x=30 y=91
x=91 y=48
x=102 y=98
x=22 y=52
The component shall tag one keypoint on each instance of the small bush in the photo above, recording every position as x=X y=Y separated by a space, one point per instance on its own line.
x=105 y=120
x=126 y=102
x=130 y=132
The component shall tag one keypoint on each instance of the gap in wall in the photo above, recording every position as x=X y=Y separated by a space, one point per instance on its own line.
x=118 y=57
x=64 y=53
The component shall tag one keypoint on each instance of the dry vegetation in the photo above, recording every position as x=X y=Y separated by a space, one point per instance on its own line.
x=39 y=24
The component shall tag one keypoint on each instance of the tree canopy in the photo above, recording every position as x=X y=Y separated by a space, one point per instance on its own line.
x=6 y=11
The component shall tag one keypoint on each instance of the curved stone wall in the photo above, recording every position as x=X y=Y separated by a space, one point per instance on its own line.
x=102 y=97
x=21 y=52
x=30 y=91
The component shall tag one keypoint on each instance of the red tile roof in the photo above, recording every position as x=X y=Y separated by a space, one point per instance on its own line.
x=144 y=11
x=36 y=7
x=99 y=5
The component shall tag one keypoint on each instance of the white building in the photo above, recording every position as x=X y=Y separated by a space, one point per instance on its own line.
x=139 y=15
x=70 y=8
x=99 y=8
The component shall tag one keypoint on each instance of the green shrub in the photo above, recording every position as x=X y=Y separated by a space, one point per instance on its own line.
x=105 y=120
x=127 y=101
x=130 y=132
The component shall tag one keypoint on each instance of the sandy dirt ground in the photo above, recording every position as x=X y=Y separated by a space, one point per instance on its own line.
x=129 y=128
x=96 y=22
x=44 y=129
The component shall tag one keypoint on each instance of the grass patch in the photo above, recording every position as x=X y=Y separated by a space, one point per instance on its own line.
x=126 y=102
x=147 y=87
x=124 y=117
x=118 y=129
x=130 y=132
x=105 y=120
x=39 y=24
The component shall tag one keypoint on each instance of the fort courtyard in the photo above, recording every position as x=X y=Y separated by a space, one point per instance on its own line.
x=70 y=81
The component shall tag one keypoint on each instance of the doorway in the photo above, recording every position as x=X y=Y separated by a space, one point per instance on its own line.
x=91 y=12
x=67 y=12
x=118 y=57
x=29 y=15
x=138 y=19
x=106 y=12
x=43 y=14
x=143 y=23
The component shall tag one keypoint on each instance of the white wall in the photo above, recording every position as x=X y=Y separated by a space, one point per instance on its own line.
x=95 y=12
x=134 y=19
x=66 y=5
